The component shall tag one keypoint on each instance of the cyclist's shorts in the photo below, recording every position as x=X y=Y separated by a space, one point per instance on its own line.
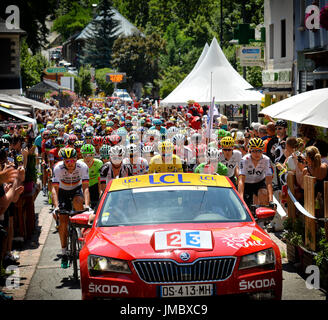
x=94 y=194
x=65 y=197
x=253 y=189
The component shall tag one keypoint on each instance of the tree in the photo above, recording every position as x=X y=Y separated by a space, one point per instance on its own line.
x=103 y=85
x=74 y=20
x=138 y=57
x=98 y=46
x=32 y=66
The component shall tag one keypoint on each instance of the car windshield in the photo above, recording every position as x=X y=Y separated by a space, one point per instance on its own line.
x=174 y=204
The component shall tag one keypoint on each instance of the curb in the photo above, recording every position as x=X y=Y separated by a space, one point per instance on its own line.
x=30 y=255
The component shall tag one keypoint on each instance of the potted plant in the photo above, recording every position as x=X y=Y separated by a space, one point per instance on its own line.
x=293 y=236
x=321 y=258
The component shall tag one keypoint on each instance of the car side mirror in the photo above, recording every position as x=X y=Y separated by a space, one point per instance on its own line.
x=264 y=213
x=81 y=220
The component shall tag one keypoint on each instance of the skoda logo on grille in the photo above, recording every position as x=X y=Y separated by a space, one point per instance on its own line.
x=185 y=256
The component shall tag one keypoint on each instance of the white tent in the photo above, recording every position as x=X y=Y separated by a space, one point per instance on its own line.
x=214 y=77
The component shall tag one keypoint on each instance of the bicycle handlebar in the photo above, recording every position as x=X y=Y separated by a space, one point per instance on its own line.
x=72 y=212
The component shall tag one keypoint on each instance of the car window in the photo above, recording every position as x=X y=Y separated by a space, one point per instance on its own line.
x=173 y=204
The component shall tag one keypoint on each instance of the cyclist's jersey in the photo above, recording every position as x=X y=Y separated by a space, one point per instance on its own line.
x=94 y=171
x=209 y=168
x=156 y=165
x=53 y=155
x=252 y=174
x=232 y=163
x=140 y=166
x=69 y=181
x=107 y=174
x=184 y=153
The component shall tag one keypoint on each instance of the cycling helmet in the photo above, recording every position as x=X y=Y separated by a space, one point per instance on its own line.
x=60 y=126
x=88 y=134
x=227 y=142
x=117 y=151
x=201 y=149
x=134 y=138
x=59 y=142
x=88 y=149
x=105 y=151
x=196 y=138
x=78 y=130
x=221 y=133
x=67 y=153
x=213 y=153
x=166 y=147
x=172 y=130
x=78 y=144
x=133 y=148
x=106 y=140
x=72 y=138
x=256 y=143
x=46 y=134
x=281 y=123
x=178 y=139
x=148 y=149
x=54 y=133
x=96 y=141
x=115 y=139
x=121 y=132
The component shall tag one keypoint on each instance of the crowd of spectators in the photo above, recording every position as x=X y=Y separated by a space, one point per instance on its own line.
x=304 y=155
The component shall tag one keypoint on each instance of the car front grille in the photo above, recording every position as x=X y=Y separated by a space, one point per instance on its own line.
x=168 y=271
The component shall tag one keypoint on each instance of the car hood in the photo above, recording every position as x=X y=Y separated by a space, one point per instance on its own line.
x=139 y=242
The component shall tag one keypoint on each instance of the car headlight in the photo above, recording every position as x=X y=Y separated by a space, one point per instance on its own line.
x=98 y=264
x=258 y=259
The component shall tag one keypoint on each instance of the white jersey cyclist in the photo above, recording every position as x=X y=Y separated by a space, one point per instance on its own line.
x=232 y=163
x=107 y=173
x=139 y=164
x=258 y=173
x=69 y=181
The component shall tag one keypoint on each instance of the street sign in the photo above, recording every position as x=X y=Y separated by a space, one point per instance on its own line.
x=55 y=70
x=116 y=77
x=251 y=56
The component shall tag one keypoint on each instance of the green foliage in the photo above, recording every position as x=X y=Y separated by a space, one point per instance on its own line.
x=98 y=46
x=32 y=66
x=169 y=80
x=322 y=251
x=294 y=232
x=138 y=57
x=254 y=76
x=74 y=20
x=83 y=82
x=103 y=85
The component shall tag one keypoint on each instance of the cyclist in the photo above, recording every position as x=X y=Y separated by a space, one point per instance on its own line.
x=94 y=165
x=54 y=156
x=212 y=165
x=230 y=158
x=166 y=161
x=183 y=151
x=104 y=153
x=255 y=179
x=70 y=187
x=77 y=146
x=139 y=164
x=117 y=167
x=148 y=153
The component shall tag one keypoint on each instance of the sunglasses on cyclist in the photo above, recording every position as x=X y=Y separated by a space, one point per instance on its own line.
x=257 y=151
x=70 y=160
x=227 y=149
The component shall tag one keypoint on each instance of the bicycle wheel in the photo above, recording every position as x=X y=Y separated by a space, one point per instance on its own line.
x=74 y=253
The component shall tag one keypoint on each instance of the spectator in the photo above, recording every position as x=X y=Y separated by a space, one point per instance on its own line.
x=308 y=134
x=315 y=168
x=263 y=132
x=271 y=141
x=255 y=129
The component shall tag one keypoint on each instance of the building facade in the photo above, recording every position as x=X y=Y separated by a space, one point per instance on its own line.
x=277 y=76
x=311 y=46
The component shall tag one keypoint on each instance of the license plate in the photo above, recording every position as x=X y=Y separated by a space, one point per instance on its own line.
x=187 y=290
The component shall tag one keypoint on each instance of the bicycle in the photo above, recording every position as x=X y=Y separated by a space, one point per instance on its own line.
x=74 y=245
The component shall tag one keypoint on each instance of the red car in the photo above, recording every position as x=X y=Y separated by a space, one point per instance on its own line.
x=177 y=235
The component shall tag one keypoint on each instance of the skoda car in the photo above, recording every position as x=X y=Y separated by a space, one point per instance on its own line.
x=178 y=235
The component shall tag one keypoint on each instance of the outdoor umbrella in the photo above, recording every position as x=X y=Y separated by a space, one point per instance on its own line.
x=309 y=107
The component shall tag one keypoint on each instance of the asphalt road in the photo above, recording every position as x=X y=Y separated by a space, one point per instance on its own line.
x=43 y=279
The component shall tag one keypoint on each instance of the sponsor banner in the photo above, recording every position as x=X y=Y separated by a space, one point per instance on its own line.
x=183 y=239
